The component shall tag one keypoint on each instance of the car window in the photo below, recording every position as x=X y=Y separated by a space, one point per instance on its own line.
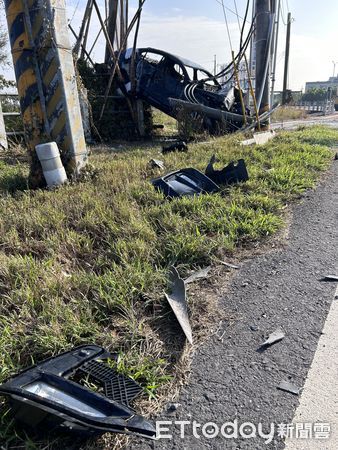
x=153 y=58
x=190 y=71
x=179 y=70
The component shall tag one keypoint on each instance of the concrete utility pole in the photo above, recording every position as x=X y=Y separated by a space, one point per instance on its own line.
x=287 y=56
x=263 y=43
x=46 y=81
x=117 y=25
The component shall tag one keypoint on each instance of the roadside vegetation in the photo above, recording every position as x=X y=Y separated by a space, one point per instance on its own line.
x=88 y=262
x=285 y=113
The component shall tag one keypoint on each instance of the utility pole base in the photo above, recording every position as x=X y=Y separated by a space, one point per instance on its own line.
x=46 y=81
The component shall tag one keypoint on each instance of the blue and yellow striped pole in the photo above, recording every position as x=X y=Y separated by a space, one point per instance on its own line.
x=46 y=81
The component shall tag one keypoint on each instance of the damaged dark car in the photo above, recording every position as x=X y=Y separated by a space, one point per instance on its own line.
x=169 y=82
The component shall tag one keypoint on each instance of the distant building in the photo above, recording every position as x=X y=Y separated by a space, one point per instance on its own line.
x=331 y=83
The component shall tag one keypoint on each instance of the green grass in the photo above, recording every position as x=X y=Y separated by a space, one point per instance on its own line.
x=88 y=262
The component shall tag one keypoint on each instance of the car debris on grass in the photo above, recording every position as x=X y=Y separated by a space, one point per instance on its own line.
x=184 y=182
x=235 y=172
x=44 y=398
x=178 y=302
x=177 y=146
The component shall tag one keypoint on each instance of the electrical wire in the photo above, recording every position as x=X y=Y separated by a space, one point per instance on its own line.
x=227 y=25
x=75 y=11
x=244 y=20
x=228 y=68
x=236 y=9
x=243 y=49
x=230 y=10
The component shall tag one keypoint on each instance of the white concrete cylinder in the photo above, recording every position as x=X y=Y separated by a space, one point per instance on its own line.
x=3 y=137
x=52 y=167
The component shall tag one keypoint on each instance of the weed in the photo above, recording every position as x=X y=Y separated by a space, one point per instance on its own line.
x=88 y=262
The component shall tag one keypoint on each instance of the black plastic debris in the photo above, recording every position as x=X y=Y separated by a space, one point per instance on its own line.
x=156 y=164
x=185 y=182
x=330 y=278
x=230 y=174
x=274 y=337
x=177 y=146
x=289 y=387
x=116 y=387
x=44 y=398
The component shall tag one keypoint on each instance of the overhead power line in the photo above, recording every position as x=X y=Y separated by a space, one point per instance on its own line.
x=226 y=24
x=220 y=2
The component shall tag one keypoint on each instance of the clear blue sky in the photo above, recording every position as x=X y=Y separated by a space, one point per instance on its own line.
x=196 y=29
x=314 y=42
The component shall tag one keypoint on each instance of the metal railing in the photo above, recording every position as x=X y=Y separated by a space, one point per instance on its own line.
x=5 y=114
x=323 y=106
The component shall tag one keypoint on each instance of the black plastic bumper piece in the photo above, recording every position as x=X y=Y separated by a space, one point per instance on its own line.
x=185 y=182
x=230 y=174
x=43 y=398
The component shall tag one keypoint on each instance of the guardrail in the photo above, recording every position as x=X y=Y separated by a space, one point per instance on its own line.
x=3 y=114
x=324 y=106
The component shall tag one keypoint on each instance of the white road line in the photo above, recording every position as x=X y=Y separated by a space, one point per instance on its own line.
x=319 y=400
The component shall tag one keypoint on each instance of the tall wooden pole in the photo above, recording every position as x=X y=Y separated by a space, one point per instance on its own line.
x=287 y=56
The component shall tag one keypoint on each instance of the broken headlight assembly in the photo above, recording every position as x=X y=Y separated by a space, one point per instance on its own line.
x=185 y=182
x=44 y=396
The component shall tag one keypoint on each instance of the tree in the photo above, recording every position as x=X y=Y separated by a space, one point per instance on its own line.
x=3 y=39
x=315 y=94
x=3 y=44
x=3 y=53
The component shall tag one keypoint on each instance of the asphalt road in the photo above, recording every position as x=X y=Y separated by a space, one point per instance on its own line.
x=330 y=120
x=230 y=379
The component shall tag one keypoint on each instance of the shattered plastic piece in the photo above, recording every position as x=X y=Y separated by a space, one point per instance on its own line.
x=117 y=387
x=179 y=146
x=232 y=173
x=232 y=266
x=44 y=398
x=200 y=274
x=185 y=182
x=274 y=337
x=178 y=302
x=333 y=278
x=156 y=164
x=288 y=387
